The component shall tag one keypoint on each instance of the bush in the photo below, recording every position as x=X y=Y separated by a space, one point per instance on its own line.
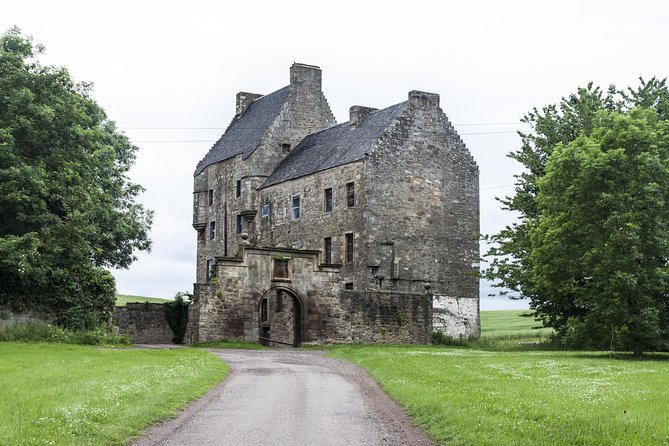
x=176 y=313
x=41 y=332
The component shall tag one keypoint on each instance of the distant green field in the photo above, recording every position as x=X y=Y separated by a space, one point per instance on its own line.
x=122 y=299
x=510 y=323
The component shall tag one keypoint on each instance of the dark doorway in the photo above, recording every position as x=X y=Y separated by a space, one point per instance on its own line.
x=280 y=318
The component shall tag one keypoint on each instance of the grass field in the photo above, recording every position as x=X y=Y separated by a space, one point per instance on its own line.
x=55 y=394
x=122 y=299
x=510 y=324
x=467 y=396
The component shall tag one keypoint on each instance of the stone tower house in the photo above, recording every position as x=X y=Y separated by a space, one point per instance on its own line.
x=309 y=231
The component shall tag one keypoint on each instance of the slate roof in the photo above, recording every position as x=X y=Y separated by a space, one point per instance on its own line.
x=334 y=146
x=245 y=133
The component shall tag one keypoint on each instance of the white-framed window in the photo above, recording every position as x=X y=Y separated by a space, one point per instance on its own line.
x=264 y=210
x=297 y=210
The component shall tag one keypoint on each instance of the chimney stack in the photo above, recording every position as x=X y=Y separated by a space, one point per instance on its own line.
x=423 y=99
x=305 y=77
x=244 y=99
x=358 y=114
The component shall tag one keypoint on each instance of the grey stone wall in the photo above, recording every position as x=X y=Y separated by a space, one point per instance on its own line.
x=423 y=222
x=145 y=323
x=456 y=317
x=380 y=317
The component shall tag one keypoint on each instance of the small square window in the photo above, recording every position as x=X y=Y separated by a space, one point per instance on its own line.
x=264 y=210
x=285 y=148
x=327 y=200
x=327 y=247
x=280 y=269
x=349 y=248
x=212 y=230
x=348 y=286
x=238 y=191
x=296 y=207
x=211 y=197
x=350 y=194
x=240 y=224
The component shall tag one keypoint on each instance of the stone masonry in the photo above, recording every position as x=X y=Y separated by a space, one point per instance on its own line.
x=309 y=231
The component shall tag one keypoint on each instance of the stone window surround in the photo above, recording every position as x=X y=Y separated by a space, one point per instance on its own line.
x=238 y=189
x=349 y=251
x=264 y=210
x=211 y=197
x=212 y=230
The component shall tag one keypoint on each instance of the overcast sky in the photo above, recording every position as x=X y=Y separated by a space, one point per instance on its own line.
x=168 y=72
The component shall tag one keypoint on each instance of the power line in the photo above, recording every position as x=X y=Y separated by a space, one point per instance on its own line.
x=211 y=141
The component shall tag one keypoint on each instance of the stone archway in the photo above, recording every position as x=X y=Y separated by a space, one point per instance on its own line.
x=280 y=318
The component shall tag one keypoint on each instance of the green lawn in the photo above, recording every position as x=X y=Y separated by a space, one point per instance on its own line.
x=55 y=394
x=122 y=299
x=468 y=396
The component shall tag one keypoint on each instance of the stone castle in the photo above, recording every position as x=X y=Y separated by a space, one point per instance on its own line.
x=310 y=231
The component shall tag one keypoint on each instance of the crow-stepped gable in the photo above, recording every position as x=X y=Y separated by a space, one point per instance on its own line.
x=309 y=231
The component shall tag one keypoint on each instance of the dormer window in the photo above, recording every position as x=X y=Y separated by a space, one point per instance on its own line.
x=285 y=148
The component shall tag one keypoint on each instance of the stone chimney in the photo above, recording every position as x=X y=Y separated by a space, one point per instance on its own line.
x=422 y=99
x=244 y=99
x=358 y=114
x=305 y=77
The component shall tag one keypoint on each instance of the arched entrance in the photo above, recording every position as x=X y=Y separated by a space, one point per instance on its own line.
x=280 y=318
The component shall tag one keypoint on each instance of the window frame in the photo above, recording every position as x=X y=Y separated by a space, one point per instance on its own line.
x=210 y=269
x=239 y=224
x=328 y=200
x=212 y=230
x=210 y=197
x=349 y=242
x=238 y=189
x=295 y=215
x=350 y=194
x=264 y=210
x=327 y=250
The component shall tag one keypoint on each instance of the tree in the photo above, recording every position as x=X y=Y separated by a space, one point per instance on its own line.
x=67 y=208
x=577 y=116
x=601 y=245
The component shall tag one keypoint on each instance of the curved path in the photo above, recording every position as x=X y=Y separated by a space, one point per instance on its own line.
x=287 y=397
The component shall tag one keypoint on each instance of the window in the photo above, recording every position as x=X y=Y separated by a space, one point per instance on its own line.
x=264 y=210
x=296 y=207
x=240 y=224
x=280 y=269
x=279 y=301
x=211 y=197
x=212 y=230
x=327 y=245
x=350 y=194
x=238 y=192
x=349 y=248
x=210 y=268
x=285 y=148
x=327 y=199
x=348 y=286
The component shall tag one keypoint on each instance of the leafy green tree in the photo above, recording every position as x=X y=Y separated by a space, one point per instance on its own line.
x=67 y=208
x=576 y=116
x=601 y=245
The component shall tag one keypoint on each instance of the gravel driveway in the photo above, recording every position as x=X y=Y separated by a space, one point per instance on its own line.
x=287 y=397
